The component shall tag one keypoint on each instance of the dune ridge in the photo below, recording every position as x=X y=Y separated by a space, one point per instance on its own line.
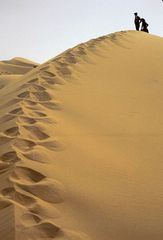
x=27 y=189
x=46 y=187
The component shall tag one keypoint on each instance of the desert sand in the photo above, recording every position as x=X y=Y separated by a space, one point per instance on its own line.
x=81 y=142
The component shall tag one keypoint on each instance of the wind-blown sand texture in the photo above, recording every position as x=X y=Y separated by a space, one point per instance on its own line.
x=81 y=142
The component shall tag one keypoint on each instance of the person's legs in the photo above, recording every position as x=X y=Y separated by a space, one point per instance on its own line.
x=137 y=26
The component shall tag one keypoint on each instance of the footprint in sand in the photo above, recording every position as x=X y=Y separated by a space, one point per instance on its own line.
x=12 y=132
x=41 y=96
x=61 y=64
x=16 y=111
x=24 y=144
x=51 y=80
x=25 y=94
x=47 y=189
x=38 y=88
x=52 y=145
x=4 y=167
x=18 y=197
x=6 y=118
x=11 y=102
x=10 y=157
x=64 y=71
x=33 y=80
x=26 y=120
x=26 y=85
x=52 y=105
x=37 y=156
x=45 y=210
x=5 y=140
x=36 y=132
x=47 y=74
x=26 y=175
x=91 y=46
x=4 y=203
x=44 y=68
x=80 y=51
x=70 y=58
x=29 y=103
x=44 y=230
x=30 y=219
x=38 y=114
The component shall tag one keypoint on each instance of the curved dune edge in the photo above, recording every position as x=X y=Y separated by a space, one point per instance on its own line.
x=33 y=194
x=31 y=198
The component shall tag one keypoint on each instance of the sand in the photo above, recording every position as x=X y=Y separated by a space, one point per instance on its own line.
x=81 y=142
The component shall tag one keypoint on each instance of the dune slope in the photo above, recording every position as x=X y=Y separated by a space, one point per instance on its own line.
x=12 y=70
x=81 y=144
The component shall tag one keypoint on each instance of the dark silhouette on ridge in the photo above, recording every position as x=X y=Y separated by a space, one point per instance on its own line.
x=137 y=21
x=144 y=26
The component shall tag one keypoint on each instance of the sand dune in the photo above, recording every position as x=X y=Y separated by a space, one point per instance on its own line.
x=16 y=66
x=81 y=142
x=12 y=70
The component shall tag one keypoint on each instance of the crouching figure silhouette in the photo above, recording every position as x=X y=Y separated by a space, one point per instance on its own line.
x=144 y=25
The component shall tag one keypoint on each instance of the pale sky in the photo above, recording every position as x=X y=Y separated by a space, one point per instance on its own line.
x=41 y=29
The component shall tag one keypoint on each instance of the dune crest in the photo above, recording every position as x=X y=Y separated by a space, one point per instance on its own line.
x=81 y=143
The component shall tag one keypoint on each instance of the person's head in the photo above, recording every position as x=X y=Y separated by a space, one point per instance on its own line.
x=136 y=14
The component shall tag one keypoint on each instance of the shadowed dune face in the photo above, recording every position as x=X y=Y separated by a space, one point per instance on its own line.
x=81 y=142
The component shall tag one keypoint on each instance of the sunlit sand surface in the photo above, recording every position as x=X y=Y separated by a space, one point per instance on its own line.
x=81 y=142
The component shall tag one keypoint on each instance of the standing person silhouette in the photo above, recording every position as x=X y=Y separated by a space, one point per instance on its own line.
x=137 y=21
x=144 y=26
